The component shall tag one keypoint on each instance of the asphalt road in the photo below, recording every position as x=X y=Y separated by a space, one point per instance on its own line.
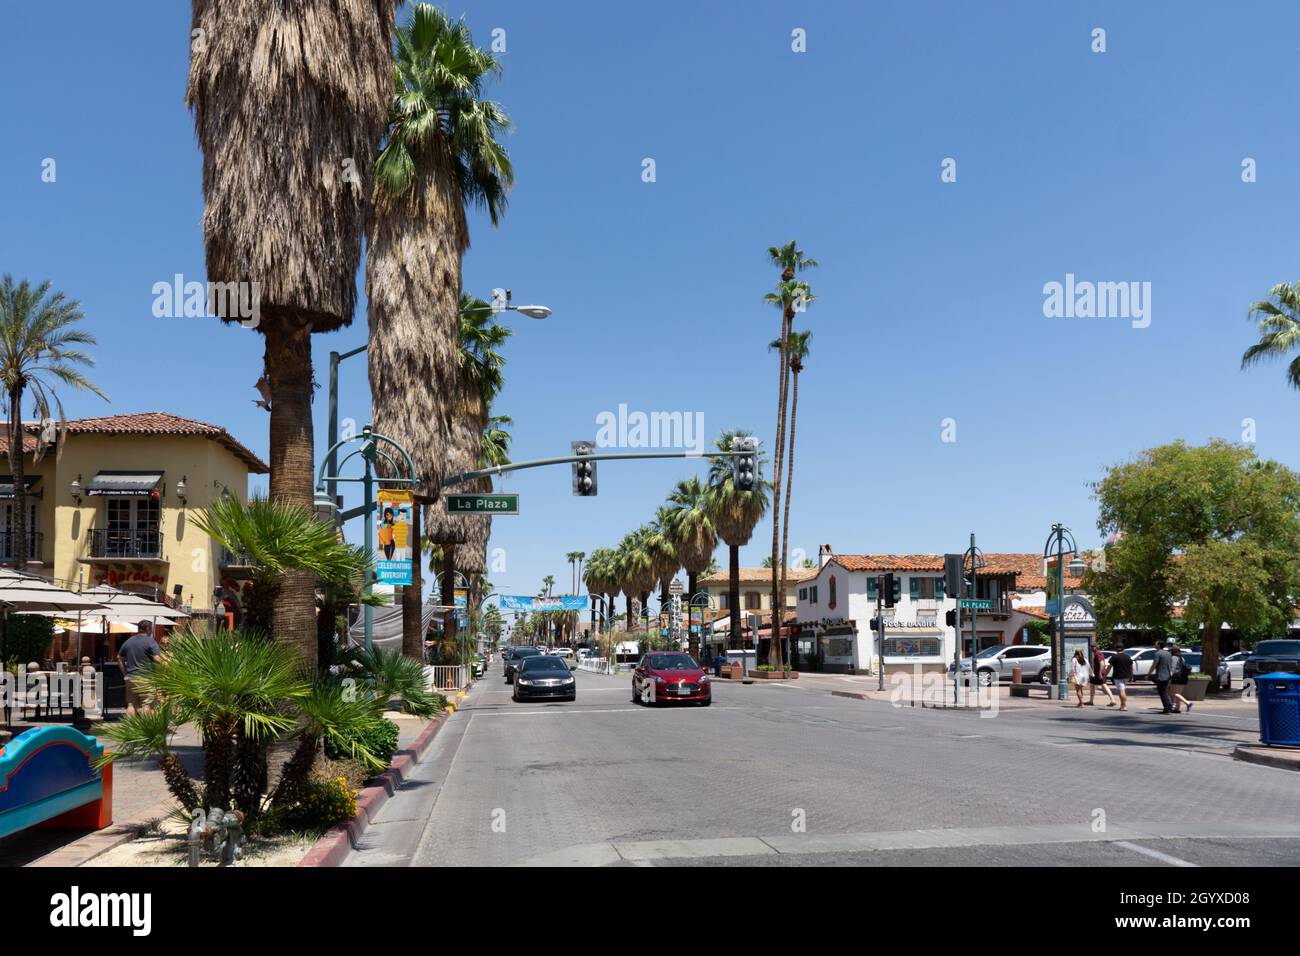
x=782 y=775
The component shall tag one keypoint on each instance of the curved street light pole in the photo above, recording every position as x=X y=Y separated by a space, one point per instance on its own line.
x=1060 y=535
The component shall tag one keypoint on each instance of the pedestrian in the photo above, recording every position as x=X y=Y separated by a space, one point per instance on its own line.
x=136 y=653
x=1078 y=675
x=1098 y=677
x=1162 y=669
x=1121 y=672
x=1178 y=681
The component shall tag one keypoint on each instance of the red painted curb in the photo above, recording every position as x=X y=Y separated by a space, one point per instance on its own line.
x=332 y=848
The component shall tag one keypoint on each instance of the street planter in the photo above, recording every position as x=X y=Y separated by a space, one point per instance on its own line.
x=1196 y=687
x=774 y=675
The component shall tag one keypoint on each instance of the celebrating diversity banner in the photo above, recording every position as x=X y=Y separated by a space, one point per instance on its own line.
x=393 y=537
x=520 y=602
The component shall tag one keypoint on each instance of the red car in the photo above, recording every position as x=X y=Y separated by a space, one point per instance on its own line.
x=670 y=676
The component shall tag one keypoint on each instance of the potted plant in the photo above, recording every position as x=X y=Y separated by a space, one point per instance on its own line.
x=1197 y=686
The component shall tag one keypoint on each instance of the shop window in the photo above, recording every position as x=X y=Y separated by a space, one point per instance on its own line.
x=753 y=601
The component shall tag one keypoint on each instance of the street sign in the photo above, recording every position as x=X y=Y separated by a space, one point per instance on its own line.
x=483 y=504
x=675 y=587
x=976 y=604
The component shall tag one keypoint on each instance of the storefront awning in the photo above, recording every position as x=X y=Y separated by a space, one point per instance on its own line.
x=7 y=485
x=125 y=484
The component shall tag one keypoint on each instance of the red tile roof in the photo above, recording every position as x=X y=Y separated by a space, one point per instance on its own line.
x=142 y=423
x=756 y=576
x=1026 y=566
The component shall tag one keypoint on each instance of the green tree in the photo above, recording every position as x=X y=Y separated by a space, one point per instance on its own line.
x=1212 y=528
x=1278 y=320
x=735 y=515
x=796 y=348
x=40 y=348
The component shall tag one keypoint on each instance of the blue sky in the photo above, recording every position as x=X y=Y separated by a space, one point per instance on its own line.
x=1118 y=166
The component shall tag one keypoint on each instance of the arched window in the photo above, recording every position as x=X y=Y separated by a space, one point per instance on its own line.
x=831 y=602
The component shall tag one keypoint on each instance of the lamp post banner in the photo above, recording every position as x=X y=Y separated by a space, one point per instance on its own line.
x=393 y=537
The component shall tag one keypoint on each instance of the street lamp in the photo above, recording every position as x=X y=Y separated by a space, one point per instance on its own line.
x=1060 y=536
x=532 y=311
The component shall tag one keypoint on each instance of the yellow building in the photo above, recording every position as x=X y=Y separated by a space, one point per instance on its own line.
x=755 y=588
x=115 y=508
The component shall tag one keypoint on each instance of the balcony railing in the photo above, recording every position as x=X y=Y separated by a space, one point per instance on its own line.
x=34 y=541
x=138 y=544
x=234 y=559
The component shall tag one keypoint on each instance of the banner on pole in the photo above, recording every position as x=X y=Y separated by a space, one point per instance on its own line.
x=393 y=537
x=520 y=602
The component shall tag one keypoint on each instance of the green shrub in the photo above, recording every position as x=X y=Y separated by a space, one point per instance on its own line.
x=323 y=804
x=379 y=736
x=28 y=638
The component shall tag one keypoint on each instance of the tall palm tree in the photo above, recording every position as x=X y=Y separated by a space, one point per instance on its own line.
x=789 y=296
x=574 y=558
x=548 y=583
x=441 y=153
x=735 y=514
x=1278 y=318
x=796 y=348
x=662 y=547
x=635 y=570
x=289 y=100
x=39 y=349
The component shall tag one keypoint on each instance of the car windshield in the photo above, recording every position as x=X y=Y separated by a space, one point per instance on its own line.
x=1193 y=660
x=990 y=652
x=543 y=663
x=526 y=652
x=1277 y=649
x=671 y=662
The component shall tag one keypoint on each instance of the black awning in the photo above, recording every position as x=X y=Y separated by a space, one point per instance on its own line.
x=125 y=484
x=7 y=485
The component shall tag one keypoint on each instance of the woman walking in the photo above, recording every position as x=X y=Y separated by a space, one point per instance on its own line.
x=1078 y=675
x=1178 y=682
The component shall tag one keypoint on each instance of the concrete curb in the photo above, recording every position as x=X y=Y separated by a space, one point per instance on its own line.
x=332 y=848
x=1283 y=759
x=101 y=841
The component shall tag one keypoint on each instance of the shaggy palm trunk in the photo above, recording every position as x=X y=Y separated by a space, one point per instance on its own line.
x=412 y=597
x=288 y=367
x=733 y=590
x=785 y=518
x=18 y=523
x=179 y=782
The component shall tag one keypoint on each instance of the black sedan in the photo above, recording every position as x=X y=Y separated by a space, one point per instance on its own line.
x=543 y=677
x=515 y=657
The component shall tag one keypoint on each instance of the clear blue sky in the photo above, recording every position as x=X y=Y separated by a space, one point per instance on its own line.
x=1117 y=166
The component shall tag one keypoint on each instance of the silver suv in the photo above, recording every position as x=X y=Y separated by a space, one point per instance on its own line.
x=995 y=664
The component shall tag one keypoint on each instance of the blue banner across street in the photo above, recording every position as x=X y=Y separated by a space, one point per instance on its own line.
x=520 y=602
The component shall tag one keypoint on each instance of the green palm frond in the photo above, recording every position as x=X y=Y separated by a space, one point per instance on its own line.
x=142 y=735
x=335 y=712
x=390 y=674
x=1277 y=319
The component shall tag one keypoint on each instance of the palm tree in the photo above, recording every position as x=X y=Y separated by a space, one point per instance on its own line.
x=494 y=445
x=440 y=155
x=279 y=539
x=548 y=583
x=574 y=558
x=289 y=103
x=635 y=569
x=735 y=515
x=790 y=295
x=601 y=577
x=1278 y=317
x=796 y=348
x=39 y=349
x=693 y=533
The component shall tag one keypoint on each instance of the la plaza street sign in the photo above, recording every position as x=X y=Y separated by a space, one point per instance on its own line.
x=506 y=504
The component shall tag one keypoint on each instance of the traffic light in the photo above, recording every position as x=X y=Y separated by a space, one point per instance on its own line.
x=892 y=587
x=875 y=624
x=951 y=618
x=584 y=472
x=743 y=467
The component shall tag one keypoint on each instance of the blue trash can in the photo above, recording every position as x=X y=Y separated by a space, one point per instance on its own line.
x=1279 y=708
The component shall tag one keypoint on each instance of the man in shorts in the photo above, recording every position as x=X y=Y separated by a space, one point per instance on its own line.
x=136 y=652
x=1121 y=672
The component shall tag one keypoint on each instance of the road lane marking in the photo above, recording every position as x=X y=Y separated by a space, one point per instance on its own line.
x=1154 y=854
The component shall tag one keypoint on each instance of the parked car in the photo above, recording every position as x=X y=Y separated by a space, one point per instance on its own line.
x=516 y=655
x=1193 y=659
x=674 y=676
x=543 y=676
x=1236 y=666
x=1272 y=657
x=1143 y=658
x=995 y=663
